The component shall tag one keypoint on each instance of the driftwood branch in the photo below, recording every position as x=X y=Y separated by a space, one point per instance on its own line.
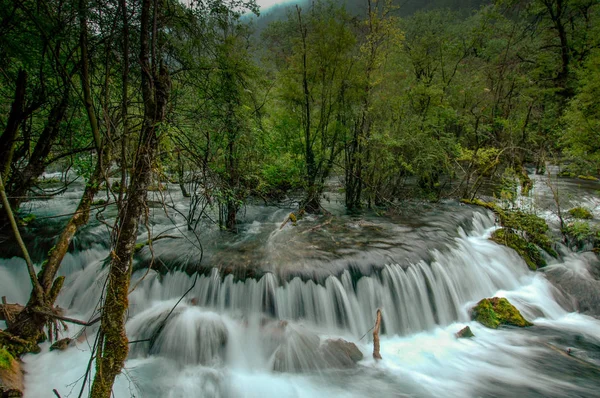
x=376 y=353
x=37 y=287
x=8 y=313
x=318 y=226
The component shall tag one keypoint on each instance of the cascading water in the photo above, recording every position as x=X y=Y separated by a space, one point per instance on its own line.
x=276 y=335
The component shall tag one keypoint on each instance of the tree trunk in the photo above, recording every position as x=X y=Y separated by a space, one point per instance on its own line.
x=21 y=181
x=113 y=343
x=8 y=138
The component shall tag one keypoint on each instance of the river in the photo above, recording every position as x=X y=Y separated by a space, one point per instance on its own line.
x=264 y=301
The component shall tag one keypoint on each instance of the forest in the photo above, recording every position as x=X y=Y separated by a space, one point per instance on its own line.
x=378 y=106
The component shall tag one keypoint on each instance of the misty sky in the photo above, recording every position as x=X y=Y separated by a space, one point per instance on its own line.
x=267 y=3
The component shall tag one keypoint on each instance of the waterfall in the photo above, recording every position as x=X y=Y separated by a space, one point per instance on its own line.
x=267 y=336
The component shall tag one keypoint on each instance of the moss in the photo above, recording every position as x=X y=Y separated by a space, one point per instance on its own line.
x=580 y=233
x=138 y=247
x=5 y=359
x=581 y=213
x=528 y=251
x=493 y=312
x=55 y=289
x=478 y=202
x=99 y=202
x=156 y=187
x=26 y=219
x=16 y=346
x=526 y=183
x=587 y=178
x=567 y=174
x=531 y=228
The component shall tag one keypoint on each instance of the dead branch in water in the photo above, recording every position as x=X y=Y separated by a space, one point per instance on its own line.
x=376 y=353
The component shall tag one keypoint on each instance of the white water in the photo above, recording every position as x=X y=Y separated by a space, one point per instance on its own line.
x=227 y=336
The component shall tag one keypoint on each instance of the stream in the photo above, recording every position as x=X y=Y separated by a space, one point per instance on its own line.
x=261 y=304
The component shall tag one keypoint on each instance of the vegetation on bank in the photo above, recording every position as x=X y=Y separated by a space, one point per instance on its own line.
x=525 y=233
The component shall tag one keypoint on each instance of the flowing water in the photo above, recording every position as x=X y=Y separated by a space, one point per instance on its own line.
x=265 y=303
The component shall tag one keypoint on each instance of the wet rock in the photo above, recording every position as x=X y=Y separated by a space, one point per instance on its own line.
x=61 y=344
x=11 y=376
x=190 y=335
x=341 y=353
x=298 y=352
x=493 y=312
x=465 y=333
x=301 y=350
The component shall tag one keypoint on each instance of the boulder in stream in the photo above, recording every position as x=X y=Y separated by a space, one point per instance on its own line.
x=340 y=353
x=301 y=350
x=493 y=312
x=465 y=333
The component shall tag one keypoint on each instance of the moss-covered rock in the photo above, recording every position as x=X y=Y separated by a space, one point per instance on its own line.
x=580 y=234
x=523 y=230
x=587 y=178
x=465 y=333
x=567 y=174
x=581 y=213
x=493 y=312
x=528 y=251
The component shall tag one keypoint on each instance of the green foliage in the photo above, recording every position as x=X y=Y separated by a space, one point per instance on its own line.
x=282 y=174
x=27 y=219
x=582 y=118
x=580 y=234
x=493 y=312
x=581 y=213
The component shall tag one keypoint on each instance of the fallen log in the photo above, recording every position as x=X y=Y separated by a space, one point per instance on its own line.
x=8 y=312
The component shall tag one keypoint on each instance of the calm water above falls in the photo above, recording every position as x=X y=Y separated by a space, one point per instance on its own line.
x=297 y=288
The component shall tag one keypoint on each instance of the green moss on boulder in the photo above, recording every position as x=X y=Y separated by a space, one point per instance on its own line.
x=493 y=312
x=567 y=174
x=581 y=213
x=523 y=231
x=528 y=251
x=587 y=178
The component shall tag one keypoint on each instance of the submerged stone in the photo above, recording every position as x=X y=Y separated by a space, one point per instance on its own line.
x=465 y=333
x=61 y=344
x=493 y=312
x=340 y=353
x=301 y=350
